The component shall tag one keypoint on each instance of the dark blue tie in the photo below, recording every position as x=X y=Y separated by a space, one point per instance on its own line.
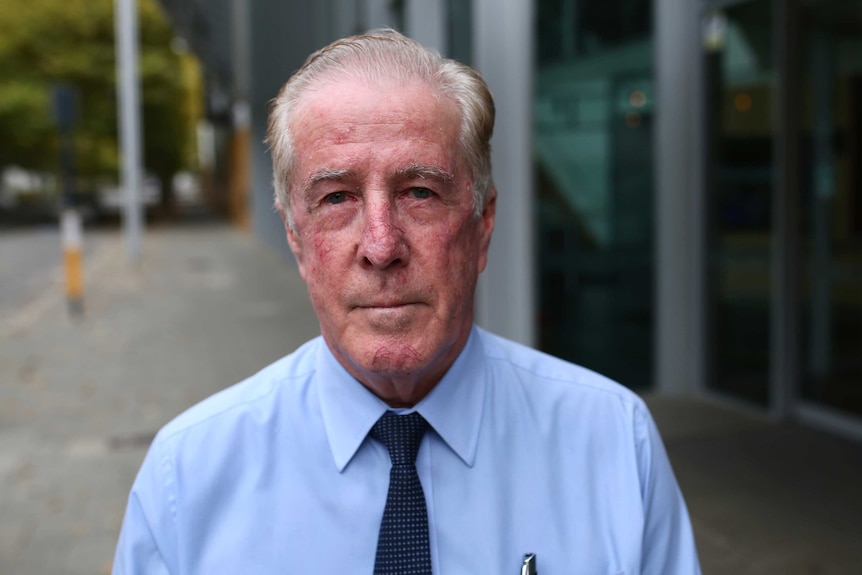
x=403 y=544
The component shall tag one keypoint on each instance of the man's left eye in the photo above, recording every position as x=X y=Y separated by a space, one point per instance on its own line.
x=420 y=193
x=335 y=198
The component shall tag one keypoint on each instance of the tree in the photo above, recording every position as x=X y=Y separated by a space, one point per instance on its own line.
x=46 y=42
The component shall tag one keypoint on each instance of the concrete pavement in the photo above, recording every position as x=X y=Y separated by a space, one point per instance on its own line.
x=207 y=306
x=765 y=498
x=80 y=400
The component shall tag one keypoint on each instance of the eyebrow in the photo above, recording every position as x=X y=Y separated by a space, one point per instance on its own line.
x=424 y=172
x=326 y=175
x=409 y=172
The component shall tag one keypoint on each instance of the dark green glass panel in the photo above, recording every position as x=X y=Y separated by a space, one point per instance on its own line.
x=592 y=117
x=739 y=179
x=830 y=354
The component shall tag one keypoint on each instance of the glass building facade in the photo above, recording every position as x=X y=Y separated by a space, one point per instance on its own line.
x=829 y=138
x=739 y=128
x=784 y=182
x=680 y=183
x=778 y=224
x=594 y=184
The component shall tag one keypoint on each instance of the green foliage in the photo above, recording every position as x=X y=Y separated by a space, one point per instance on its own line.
x=46 y=42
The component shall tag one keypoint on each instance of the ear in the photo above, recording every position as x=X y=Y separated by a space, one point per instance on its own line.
x=486 y=227
x=294 y=240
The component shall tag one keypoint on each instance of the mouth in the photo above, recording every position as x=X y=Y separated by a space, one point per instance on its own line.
x=386 y=305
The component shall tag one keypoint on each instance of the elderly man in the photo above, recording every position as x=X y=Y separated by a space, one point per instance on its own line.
x=404 y=439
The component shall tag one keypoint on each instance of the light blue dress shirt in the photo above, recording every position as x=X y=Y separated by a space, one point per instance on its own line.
x=525 y=453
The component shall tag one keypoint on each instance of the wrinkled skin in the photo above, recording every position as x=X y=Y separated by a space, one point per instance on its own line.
x=385 y=233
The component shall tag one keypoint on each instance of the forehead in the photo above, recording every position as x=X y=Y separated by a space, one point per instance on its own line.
x=345 y=111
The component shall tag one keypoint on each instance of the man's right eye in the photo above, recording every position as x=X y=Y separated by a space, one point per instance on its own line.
x=335 y=198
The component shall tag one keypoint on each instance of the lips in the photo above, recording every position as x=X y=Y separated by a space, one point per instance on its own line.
x=384 y=300
x=386 y=305
x=377 y=298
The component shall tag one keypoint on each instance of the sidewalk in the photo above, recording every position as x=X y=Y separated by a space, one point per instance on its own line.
x=764 y=498
x=207 y=306
x=80 y=400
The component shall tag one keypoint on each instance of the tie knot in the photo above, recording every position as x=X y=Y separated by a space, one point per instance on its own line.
x=401 y=434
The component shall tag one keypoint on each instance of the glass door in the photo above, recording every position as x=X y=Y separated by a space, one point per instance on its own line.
x=830 y=354
x=740 y=78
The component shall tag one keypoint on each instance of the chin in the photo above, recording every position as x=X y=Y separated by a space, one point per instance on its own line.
x=395 y=357
x=414 y=352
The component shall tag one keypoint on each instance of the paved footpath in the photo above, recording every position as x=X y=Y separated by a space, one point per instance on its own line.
x=81 y=399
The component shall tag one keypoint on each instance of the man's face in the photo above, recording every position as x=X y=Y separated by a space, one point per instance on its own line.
x=386 y=235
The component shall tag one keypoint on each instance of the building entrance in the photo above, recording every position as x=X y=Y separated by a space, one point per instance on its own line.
x=740 y=185
x=784 y=206
x=830 y=174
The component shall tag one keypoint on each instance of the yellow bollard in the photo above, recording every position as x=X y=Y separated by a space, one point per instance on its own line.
x=72 y=243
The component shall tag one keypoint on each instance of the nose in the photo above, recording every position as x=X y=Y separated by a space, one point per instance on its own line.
x=382 y=243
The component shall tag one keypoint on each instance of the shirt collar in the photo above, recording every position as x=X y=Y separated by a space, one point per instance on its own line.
x=453 y=408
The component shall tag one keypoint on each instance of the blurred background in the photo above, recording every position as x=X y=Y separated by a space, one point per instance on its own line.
x=680 y=209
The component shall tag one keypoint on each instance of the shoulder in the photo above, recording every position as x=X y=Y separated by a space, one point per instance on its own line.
x=540 y=374
x=257 y=394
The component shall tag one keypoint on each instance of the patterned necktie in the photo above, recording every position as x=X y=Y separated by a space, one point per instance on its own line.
x=403 y=544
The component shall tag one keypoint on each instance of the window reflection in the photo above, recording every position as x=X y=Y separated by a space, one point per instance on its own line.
x=740 y=76
x=593 y=167
x=831 y=202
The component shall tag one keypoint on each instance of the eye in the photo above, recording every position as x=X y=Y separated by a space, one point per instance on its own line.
x=335 y=198
x=421 y=193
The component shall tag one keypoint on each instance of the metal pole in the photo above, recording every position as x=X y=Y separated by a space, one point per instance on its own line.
x=128 y=96
x=66 y=116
